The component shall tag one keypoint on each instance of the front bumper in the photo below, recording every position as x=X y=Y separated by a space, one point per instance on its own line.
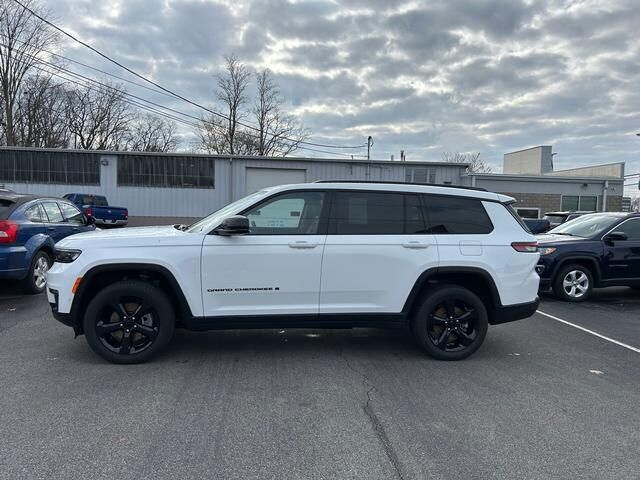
x=511 y=313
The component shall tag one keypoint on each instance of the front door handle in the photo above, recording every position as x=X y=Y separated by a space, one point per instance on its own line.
x=51 y=229
x=302 y=244
x=415 y=244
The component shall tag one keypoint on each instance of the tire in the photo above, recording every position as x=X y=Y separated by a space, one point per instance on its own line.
x=133 y=310
x=456 y=308
x=36 y=280
x=573 y=283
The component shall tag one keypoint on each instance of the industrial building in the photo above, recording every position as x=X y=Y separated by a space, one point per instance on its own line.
x=529 y=176
x=184 y=186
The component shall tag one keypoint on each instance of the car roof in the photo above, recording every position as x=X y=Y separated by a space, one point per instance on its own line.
x=450 y=190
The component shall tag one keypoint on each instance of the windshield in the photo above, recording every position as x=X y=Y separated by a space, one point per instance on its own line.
x=207 y=223
x=586 y=225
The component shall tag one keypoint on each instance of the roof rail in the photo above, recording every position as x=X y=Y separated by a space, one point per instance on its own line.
x=463 y=187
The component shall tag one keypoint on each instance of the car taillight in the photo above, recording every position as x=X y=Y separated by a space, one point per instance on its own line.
x=8 y=231
x=525 y=247
x=89 y=211
x=126 y=214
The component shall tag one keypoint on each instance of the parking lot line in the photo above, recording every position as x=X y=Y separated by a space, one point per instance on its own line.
x=608 y=339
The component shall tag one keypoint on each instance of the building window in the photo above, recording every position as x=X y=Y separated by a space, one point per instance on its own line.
x=579 y=203
x=420 y=175
x=66 y=168
x=526 y=212
x=165 y=171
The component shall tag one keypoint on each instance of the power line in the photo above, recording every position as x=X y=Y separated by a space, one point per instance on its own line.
x=124 y=67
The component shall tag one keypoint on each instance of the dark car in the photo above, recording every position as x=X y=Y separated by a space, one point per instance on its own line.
x=558 y=218
x=537 y=225
x=29 y=228
x=594 y=250
x=98 y=207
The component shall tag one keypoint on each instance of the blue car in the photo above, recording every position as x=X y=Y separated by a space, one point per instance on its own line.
x=29 y=228
x=594 y=250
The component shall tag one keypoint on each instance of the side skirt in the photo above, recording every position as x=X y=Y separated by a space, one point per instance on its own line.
x=329 y=320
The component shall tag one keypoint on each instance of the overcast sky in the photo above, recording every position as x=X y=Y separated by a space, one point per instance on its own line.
x=424 y=76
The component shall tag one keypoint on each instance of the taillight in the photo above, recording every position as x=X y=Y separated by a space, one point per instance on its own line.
x=89 y=211
x=8 y=231
x=126 y=214
x=525 y=247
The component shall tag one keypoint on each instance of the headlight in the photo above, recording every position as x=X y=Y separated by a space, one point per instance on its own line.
x=546 y=250
x=66 y=255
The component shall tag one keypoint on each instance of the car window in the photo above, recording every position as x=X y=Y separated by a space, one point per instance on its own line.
x=296 y=213
x=68 y=196
x=71 y=213
x=631 y=228
x=34 y=214
x=375 y=213
x=95 y=200
x=53 y=212
x=586 y=225
x=456 y=215
x=5 y=208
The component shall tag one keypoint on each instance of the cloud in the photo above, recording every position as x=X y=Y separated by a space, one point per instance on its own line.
x=423 y=76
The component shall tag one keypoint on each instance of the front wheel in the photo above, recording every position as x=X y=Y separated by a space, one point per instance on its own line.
x=451 y=323
x=573 y=283
x=129 y=322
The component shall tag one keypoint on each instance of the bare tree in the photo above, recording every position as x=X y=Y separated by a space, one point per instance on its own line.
x=476 y=164
x=210 y=135
x=98 y=118
x=23 y=41
x=277 y=133
x=39 y=117
x=231 y=92
x=151 y=133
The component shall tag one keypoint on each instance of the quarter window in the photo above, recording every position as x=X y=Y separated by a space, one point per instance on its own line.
x=455 y=215
x=295 y=213
x=34 y=213
x=53 y=212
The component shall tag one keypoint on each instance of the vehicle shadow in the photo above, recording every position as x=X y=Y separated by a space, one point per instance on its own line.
x=612 y=295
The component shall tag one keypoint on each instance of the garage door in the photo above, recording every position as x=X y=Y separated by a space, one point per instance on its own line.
x=258 y=178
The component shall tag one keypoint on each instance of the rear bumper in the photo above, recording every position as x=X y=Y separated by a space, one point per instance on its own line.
x=511 y=313
x=103 y=221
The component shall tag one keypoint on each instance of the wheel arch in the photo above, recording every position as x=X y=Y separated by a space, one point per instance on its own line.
x=583 y=260
x=103 y=275
x=475 y=279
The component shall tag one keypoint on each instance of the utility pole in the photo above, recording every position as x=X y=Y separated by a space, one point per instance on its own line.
x=369 y=145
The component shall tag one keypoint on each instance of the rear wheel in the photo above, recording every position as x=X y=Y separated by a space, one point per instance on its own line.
x=451 y=323
x=129 y=322
x=573 y=283
x=36 y=279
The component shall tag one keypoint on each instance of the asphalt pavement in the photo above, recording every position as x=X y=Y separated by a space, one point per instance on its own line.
x=541 y=399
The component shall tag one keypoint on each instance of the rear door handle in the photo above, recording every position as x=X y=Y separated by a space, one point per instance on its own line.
x=51 y=229
x=415 y=244
x=302 y=244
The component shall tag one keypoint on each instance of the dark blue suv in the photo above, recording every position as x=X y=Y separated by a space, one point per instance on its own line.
x=595 y=250
x=29 y=228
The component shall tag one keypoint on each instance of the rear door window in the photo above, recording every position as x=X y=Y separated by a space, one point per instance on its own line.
x=53 y=212
x=376 y=213
x=456 y=215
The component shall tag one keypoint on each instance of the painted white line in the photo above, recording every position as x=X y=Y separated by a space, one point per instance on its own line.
x=634 y=349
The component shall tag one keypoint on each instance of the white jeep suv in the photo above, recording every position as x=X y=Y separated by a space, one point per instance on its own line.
x=444 y=261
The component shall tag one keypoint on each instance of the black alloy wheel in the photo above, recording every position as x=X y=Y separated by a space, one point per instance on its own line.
x=451 y=323
x=129 y=322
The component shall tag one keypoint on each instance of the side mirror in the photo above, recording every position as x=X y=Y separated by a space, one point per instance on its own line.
x=235 y=225
x=615 y=237
x=89 y=220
